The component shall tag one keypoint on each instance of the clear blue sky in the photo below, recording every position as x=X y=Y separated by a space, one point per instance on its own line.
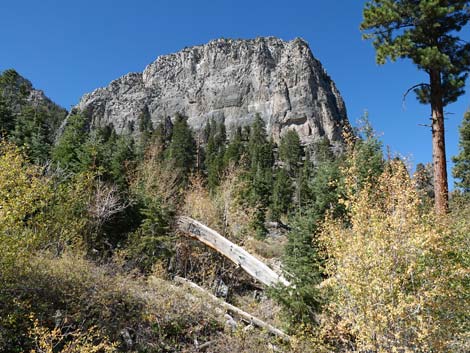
x=68 y=48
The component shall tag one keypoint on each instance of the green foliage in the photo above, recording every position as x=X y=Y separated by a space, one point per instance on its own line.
x=31 y=123
x=290 y=151
x=145 y=129
x=101 y=151
x=260 y=174
x=303 y=261
x=281 y=200
x=367 y=151
x=235 y=148
x=462 y=160
x=32 y=131
x=67 y=151
x=7 y=122
x=214 y=153
x=152 y=241
x=181 y=149
x=423 y=31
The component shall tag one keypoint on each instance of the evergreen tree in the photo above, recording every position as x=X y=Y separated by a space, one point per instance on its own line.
x=7 y=122
x=182 y=146
x=31 y=131
x=303 y=193
x=123 y=153
x=367 y=152
x=282 y=194
x=290 y=151
x=214 y=154
x=235 y=148
x=68 y=149
x=260 y=174
x=145 y=129
x=303 y=264
x=424 y=31
x=462 y=160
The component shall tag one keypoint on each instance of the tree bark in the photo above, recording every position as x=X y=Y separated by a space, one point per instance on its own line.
x=237 y=311
x=254 y=267
x=441 y=191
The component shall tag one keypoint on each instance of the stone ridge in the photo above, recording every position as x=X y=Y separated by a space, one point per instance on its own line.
x=228 y=80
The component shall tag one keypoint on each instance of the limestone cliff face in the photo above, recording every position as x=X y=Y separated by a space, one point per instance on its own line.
x=231 y=81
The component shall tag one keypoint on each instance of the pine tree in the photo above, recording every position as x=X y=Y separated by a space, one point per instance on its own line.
x=7 y=122
x=303 y=264
x=260 y=174
x=290 y=151
x=145 y=129
x=31 y=131
x=68 y=149
x=462 y=160
x=181 y=149
x=235 y=148
x=424 y=31
x=282 y=194
x=214 y=154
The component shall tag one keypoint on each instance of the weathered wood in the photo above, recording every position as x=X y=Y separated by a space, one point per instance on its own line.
x=233 y=309
x=254 y=267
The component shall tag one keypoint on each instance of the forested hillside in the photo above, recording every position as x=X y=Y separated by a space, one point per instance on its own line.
x=123 y=230
x=90 y=245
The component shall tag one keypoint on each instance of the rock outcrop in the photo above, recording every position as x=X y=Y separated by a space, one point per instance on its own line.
x=231 y=81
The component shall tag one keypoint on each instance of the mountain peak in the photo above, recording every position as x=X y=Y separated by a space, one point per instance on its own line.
x=229 y=80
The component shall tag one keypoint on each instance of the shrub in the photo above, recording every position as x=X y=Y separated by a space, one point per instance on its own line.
x=396 y=282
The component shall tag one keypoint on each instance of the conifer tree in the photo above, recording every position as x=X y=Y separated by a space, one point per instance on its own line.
x=235 y=148
x=260 y=174
x=145 y=129
x=31 y=131
x=424 y=31
x=215 y=150
x=462 y=160
x=290 y=151
x=282 y=194
x=68 y=148
x=181 y=149
x=7 y=122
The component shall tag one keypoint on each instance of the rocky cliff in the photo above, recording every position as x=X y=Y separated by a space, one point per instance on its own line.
x=231 y=81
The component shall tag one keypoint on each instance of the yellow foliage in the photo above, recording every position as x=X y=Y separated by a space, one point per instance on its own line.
x=392 y=282
x=199 y=205
x=23 y=193
x=77 y=341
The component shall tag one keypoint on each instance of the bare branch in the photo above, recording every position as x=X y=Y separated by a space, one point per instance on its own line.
x=411 y=89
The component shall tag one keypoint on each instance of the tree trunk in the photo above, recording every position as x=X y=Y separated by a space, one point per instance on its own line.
x=237 y=311
x=254 y=267
x=438 y=144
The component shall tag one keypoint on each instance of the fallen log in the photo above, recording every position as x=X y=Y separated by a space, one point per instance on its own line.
x=236 y=311
x=254 y=267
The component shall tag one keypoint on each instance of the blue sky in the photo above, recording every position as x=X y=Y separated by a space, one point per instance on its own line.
x=68 y=48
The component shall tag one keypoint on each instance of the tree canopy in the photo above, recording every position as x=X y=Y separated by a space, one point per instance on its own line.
x=425 y=32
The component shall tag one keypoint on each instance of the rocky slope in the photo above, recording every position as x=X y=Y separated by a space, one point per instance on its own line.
x=231 y=81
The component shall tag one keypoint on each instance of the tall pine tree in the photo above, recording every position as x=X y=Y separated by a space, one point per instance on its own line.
x=425 y=32
x=181 y=149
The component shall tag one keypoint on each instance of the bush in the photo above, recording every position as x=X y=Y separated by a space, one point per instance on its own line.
x=397 y=274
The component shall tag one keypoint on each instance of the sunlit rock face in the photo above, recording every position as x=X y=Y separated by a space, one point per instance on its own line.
x=231 y=81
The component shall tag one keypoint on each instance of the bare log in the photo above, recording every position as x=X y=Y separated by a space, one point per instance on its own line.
x=254 y=267
x=236 y=311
